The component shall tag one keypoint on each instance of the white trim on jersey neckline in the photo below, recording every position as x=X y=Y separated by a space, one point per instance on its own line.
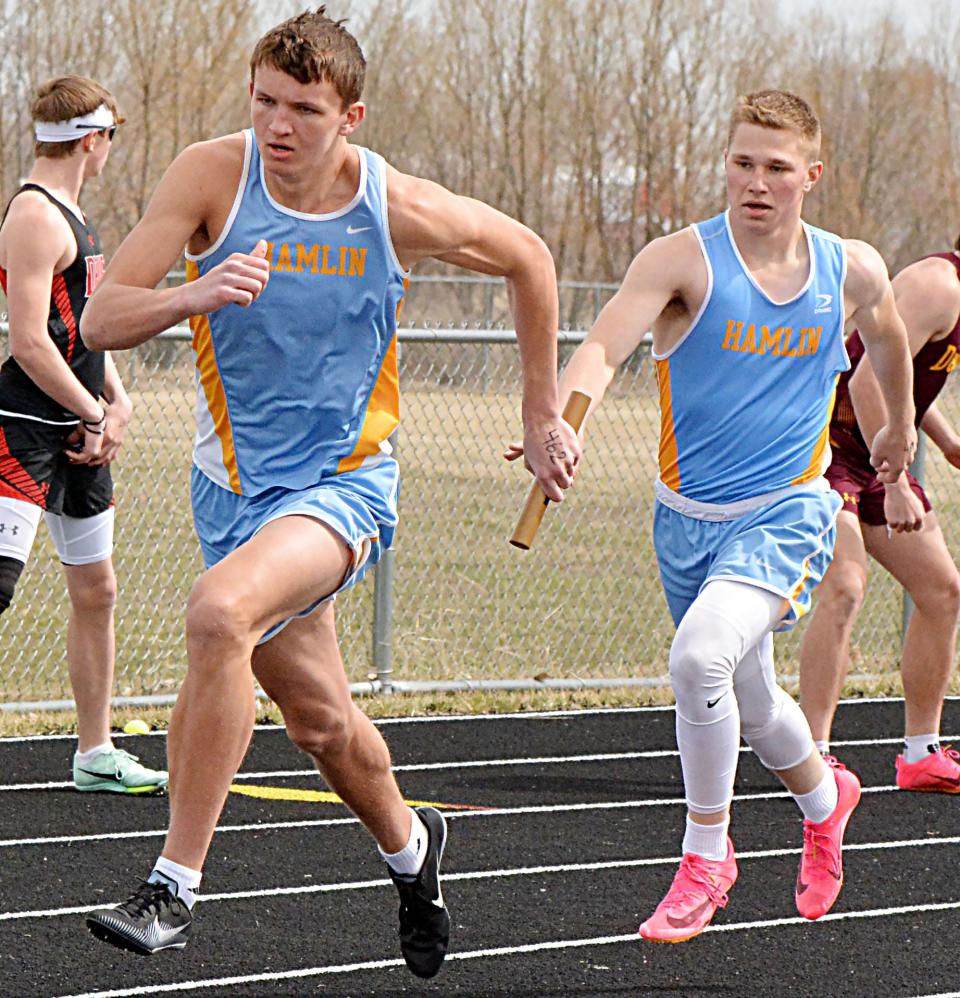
x=749 y=274
x=330 y=215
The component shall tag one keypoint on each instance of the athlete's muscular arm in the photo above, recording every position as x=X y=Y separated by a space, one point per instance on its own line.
x=38 y=240
x=927 y=296
x=870 y=305
x=665 y=270
x=427 y=220
x=661 y=272
x=128 y=308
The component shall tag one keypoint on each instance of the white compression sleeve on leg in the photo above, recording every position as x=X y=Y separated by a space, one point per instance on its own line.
x=723 y=623
x=771 y=721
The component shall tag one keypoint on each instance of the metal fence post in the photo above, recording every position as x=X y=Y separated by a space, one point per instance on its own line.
x=383 y=621
x=488 y=291
x=916 y=469
x=383 y=598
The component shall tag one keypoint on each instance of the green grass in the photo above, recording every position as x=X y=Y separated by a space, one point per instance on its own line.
x=585 y=602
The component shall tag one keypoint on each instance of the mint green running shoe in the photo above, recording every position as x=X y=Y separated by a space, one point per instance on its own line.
x=119 y=772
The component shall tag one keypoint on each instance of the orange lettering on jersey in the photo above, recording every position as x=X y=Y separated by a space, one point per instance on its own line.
x=785 y=350
x=358 y=260
x=325 y=267
x=732 y=340
x=948 y=361
x=307 y=257
x=749 y=342
x=343 y=260
x=269 y=256
x=810 y=340
x=283 y=260
x=770 y=342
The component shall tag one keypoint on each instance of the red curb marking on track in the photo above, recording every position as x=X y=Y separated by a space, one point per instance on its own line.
x=327 y=797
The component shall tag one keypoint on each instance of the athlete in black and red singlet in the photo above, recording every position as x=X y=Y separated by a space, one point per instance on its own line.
x=56 y=439
x=895 y=525
x=35 y=429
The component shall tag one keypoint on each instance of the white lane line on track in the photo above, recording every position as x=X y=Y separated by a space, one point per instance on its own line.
x=493 y=812
x=515 y=716
x=559 y=944
x=547 y=760
x=524 y=871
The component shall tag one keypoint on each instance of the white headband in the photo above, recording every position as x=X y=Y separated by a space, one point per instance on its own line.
x=75 y=128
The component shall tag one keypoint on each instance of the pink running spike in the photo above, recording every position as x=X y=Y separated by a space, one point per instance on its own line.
x=820 y=876
x=937 y=773
x=698 y=889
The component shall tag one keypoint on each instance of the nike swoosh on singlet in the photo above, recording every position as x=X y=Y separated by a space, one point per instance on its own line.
x=351 y=231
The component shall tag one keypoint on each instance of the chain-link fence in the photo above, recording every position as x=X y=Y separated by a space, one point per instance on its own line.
x=461 y=603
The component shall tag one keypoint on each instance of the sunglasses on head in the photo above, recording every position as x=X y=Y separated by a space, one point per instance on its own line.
x=109 y=132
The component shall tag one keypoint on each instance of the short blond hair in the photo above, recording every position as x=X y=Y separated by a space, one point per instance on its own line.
x=64 y=97
x=777 y=109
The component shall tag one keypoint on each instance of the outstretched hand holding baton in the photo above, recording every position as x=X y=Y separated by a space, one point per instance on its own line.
x=573 y=413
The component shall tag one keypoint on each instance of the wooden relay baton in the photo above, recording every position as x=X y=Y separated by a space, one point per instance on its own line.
x=573 y=413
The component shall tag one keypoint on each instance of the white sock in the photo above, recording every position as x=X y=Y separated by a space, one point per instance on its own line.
x=823 y=747
x=409 y=860
x=91 y=754
x=181 y=880
x=917 y=747
x=821 y=802
x=709 y=841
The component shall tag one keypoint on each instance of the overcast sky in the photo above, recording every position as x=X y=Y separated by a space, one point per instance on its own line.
x=916 y=15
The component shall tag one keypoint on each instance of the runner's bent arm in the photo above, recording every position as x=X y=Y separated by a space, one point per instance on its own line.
x=928 y=299
x=41 y=238
x=128 y=308
x=426 y=220
x=871 y=306
x=657 y=276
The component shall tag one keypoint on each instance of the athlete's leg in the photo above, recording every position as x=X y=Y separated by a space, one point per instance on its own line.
x=301 y=671
x=90 y=648
x=921 y=563
x=85 y=545
x=773 y=725
x=18 y=528
x=723 y=623
x=281 y=571
x=824 y=652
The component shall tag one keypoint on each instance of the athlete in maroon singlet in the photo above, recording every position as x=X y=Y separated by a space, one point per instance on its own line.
x=895 y=525
x=56 y=440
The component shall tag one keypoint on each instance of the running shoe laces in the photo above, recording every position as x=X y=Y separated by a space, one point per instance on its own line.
x=820 y=853
x=149 y=899
x=693 y=880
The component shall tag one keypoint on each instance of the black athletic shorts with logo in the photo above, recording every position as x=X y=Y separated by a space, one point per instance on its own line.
x=35 y=469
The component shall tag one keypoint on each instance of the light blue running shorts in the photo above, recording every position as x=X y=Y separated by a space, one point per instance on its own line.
x=784 y=547
x=360 y=506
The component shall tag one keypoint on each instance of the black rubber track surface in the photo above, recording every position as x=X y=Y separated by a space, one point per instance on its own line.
x=499 y=895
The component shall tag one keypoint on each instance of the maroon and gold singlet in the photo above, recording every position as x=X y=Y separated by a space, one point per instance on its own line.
x=850 y=472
